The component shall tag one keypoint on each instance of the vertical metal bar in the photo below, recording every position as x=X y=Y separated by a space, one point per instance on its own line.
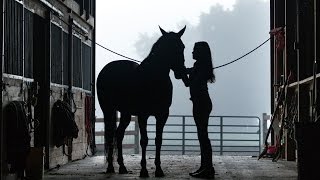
x=298 y=57
x=315 y=60
x=314 y=70
x=274 y=55
x=62 y=52
x=93 y=81
x=8 y=37
x=221 y=135
x=14 y=29
x=272 y=62
x=46 y=82
x=2 y=11
x=183 y=134
x=264 y=120
x=23 y=41
x=70 y=78
x=70 y=59
x=81 y=64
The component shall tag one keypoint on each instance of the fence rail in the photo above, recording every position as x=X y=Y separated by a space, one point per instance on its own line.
x=229 y=135
x=131 y=132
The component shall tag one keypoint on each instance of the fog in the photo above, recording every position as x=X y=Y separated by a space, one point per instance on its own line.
x=241 y=88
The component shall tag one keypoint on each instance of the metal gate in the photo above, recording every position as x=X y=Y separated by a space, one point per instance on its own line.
x=229 y=135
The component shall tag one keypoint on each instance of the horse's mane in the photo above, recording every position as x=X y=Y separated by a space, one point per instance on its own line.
x=155 y=49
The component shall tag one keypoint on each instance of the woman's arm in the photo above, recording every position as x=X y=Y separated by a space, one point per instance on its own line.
x=185 y=77
x=189 y=70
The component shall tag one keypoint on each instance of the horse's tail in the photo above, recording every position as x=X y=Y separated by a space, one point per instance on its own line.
x=110 y=127
x=109 y=115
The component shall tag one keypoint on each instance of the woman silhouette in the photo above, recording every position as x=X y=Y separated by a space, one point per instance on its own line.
x=199 y=75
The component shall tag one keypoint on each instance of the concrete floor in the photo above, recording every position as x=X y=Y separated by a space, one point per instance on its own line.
x=178 y=167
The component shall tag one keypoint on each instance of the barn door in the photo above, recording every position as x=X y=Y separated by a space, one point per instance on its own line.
x=41 y=74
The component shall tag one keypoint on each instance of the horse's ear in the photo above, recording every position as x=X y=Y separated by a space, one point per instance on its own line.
x=180 y=33
x=163 y=31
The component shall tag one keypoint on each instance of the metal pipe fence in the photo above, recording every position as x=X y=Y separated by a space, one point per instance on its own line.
x=229 y=135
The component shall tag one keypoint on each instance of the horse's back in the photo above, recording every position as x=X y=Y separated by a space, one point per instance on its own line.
x=115 y=80
x=122 y=85
x=116 y=72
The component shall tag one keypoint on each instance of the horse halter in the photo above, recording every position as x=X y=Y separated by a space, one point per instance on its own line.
x=175 y=50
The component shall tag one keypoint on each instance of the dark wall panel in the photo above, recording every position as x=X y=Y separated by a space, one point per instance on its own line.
x=13 y=63
x=86 y=66
x=86 y=5
x=291 y=38
x=28 y=44
x=81 y=5
x=77 y=75
x=40 y=73
x=306 y=38
x=56 y=54
x=65 y=55
x=91 y=7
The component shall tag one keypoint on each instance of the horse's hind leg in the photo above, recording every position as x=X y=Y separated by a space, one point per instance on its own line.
x=124 y=122
x=143 y=143
x=109 y=132
x=161 y=120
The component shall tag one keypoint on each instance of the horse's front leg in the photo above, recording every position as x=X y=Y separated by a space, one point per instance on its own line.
x=124 y=122
x=161 y=120
x=143 y=143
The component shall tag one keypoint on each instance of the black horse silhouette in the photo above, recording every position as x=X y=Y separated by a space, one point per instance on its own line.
x=143 y=90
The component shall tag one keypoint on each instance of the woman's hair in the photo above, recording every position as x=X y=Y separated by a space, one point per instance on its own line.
x=205 y=59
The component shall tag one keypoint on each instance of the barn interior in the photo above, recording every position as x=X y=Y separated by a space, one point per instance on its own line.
x=48 y=74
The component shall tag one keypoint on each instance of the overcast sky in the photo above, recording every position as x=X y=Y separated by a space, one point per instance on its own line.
x=232 y=28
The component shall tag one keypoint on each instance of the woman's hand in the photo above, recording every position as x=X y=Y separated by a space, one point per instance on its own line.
x=186 y=81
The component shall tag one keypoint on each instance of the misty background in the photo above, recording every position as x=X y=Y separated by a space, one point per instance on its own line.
x=232 y=28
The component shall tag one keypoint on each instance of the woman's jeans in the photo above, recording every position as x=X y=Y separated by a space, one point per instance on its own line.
x=202 y=107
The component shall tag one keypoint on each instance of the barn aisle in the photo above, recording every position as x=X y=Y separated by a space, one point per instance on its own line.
x=178 y=167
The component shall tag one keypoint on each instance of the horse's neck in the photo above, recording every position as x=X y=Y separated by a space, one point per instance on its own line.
x=154 y=68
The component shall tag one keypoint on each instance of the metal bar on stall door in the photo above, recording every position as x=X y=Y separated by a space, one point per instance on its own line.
x=296 y=47
x=315 y=69
x=93 y=79
x=2 y=9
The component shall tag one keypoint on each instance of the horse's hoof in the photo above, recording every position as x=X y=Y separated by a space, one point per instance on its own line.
x=110 y=169
x=159 y=172
x=123 y=170
x=144 y=173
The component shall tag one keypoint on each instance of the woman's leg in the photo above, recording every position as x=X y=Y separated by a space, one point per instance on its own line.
x=201 y=114
x=201 y=111
x=205 y=144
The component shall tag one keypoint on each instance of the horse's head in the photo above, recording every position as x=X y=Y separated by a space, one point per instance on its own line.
x=173 y=49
